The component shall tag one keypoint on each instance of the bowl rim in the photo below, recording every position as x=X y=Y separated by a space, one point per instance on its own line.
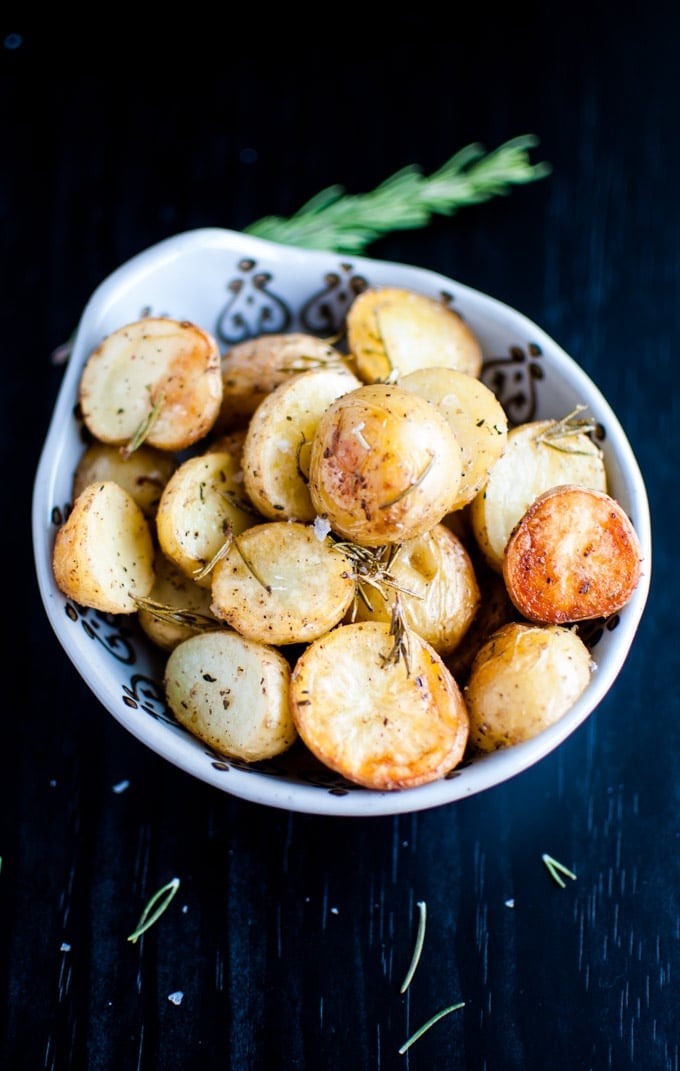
x=277 y=792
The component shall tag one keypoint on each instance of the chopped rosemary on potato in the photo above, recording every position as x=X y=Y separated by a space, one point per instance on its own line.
x=144 y=428
x=158 y=903
x=418 y=947
x=174 y=615
x=567 y=426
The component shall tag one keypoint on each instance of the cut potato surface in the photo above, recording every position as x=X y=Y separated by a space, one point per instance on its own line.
x=390 y=329
x=370 y=718
x=159 y=377
x=233 y=694
x=277 y=445
x=143 y=474
x=253 y=368
x=476 y=417
x=177 y=607
x=524 y=679
x=385 y=465
x=573 y=556
x=281 y=583
x=202 y=504
x=438 y=591
x=103 y=553
x=537 y=457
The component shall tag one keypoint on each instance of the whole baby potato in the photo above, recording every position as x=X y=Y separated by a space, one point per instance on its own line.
x=385 y=465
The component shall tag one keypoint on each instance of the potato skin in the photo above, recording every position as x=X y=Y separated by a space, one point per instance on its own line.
x=522 y=680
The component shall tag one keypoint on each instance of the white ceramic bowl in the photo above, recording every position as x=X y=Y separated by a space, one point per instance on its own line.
x=237 y=286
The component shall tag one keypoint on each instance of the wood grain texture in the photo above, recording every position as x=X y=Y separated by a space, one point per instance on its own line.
x=287 y=943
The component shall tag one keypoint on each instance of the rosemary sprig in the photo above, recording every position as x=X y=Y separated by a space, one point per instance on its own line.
x=430 y=1022
x=568 y=425
x=144 y=428
x=556 y=869
x=418 y=947
x=154 y=909
x=407 y=200
x=175 y=615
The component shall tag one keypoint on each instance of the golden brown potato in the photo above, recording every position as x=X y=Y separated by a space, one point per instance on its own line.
x=233 y=694
x=252 y=369
x=539 y=455
x=280 y=583
x=476 y=416
x=573 y=556
x=103 y=553
x=437 y=587
x=176 y=607
x=143 y=474
x=372 y=719
x=385 y=465
x=157 y=379
x=394 y=330
x=524 y=679
x=277 y=445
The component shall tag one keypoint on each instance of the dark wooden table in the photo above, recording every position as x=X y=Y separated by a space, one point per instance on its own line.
x=291 y=933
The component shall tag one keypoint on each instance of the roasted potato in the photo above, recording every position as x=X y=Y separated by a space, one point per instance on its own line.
x=522 y=680
x=476 y=417
x=381 y=722
x=385 y=465
x=435 y=580
x=157 y=380
x=202 y=505
x=393 y=330
x=277 y=445
x=104 y=552
x=143 y=473
x=232 y=693
x=574 y=555
x=539 y=455
x=253 y=368
x=280 y=583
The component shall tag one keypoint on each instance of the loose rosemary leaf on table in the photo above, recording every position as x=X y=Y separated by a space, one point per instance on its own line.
x=338 y=221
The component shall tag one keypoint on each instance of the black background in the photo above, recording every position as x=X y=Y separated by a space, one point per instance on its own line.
x=291 y=934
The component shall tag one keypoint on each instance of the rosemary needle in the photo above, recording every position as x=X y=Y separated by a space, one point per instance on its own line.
x=430 y=1022
x=155 y=908
x=418 y=948
x=556 y=869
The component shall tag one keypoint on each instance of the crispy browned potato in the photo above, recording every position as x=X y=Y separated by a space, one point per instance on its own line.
x=394 y=330
x=143 y=474
x=103 y=553
x=233 y=694
x=573 y=556
x=157 y=378
x=176 y=607
x=385 y=465
x=524 y=679
x=476 y=416
x=280 y=583
x=277 y=446
x=539 y=455
x=435 y=581
x=372 y=719
x=252 y=369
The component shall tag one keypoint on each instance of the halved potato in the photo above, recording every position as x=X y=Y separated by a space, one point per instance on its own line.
x=202 y=505
x=277 y=445
x=476 y=416
x=232 y=693
x=157 y=379
x=103 y=553
x=573 y=556
x=280 y=583
x=377 y=721
x=391 y=329
x=252 y=369
x=524 y=679
x=143 y=474
x=437 y=588
x=176 y=607
x=385 y=465
x=538 y=455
